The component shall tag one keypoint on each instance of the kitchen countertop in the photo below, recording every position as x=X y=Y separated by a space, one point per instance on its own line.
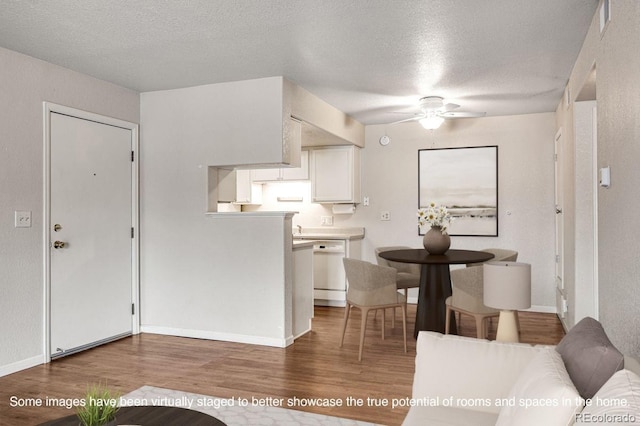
x=300 y=244
x=329 y=234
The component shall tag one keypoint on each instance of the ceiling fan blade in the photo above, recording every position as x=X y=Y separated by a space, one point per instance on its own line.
x=418 y=117
x=449 y=107
x=462 y=114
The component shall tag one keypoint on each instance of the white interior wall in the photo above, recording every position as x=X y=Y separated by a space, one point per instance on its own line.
x=613 y=54
x=390 y=180
x=26 y=83
x=230 y=273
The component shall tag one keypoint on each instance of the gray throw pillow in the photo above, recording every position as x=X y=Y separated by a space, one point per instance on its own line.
x=589 y=356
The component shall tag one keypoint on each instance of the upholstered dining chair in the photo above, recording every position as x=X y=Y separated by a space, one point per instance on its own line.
x=408 y=273
x=371 y=287
x=499 y=255
x=468 y=291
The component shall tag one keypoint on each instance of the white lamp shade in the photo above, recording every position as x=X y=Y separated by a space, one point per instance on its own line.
x=431 y=122
x=507 y=285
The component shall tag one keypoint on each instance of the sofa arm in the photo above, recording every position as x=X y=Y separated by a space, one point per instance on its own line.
x=468 y=373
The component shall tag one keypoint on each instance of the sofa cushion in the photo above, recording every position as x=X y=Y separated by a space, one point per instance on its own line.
x=589 y=356
x=463 y=369
x=441 y=416
x=542 y=395
x=617 y=401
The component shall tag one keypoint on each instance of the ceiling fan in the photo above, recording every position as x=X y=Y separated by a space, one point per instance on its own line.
x=434 y=112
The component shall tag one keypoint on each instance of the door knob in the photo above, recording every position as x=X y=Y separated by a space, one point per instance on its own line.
x=58 y=244
x=558 y=210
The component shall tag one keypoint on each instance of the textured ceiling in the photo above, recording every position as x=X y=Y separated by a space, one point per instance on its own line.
x=368 y=58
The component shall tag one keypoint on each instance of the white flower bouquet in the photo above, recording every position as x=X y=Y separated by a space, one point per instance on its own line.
x=434 y=216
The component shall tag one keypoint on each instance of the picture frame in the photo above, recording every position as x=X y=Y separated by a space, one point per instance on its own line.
x=465 y=180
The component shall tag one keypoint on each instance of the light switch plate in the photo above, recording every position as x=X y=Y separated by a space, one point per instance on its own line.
x=605 y=177
x=23 y=219
x=326 y=220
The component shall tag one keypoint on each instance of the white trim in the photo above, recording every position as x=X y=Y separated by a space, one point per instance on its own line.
x=542 y=309
x=215 y=335
x=534 y=308
x=596 y=243
x=14 y=367
x=48 y=108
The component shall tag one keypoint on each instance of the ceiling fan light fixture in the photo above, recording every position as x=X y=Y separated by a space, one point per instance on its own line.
x=432 y=122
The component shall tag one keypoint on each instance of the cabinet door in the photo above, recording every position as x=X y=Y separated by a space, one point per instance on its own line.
x=298 y=173
x=243 y=186
x=266 y=175
x=332 y=175
x=247 y=192
x=226 y=186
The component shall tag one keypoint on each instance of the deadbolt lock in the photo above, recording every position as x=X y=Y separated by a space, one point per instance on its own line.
x=58 y=244
x=57 y=227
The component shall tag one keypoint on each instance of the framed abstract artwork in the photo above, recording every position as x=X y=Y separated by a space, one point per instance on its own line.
x=465 y=180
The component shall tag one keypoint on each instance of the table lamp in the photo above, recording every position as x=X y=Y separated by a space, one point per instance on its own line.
x=507 y=286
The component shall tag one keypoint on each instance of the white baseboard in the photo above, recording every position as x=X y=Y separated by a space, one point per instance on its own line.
x=542 y=309
x=5 y=370
x=214 y=335
x=534 y=308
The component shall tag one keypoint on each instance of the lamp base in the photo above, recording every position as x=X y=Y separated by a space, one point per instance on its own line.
x=507 y=327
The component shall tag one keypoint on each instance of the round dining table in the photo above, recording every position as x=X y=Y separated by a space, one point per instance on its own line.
x=435 y=282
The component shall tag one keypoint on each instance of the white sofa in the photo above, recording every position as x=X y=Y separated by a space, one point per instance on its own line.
x=467 y=381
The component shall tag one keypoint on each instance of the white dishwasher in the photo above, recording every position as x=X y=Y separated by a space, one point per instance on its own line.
x=329 y=280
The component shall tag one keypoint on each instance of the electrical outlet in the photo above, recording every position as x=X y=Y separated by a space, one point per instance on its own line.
x=23 y=219
x=365 y=201
x=326 y=220
x=385 y=215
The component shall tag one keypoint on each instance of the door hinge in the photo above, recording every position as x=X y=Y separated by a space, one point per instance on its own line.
x=132 y=156
x=132 y=232
x=133 y=309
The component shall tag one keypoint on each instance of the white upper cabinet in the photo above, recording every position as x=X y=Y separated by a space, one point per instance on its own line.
x=284 y=174
x=237 y=186
x=266 y=175
x=335 y=174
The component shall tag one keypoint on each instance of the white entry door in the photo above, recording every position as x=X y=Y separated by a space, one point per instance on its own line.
x=90 y=221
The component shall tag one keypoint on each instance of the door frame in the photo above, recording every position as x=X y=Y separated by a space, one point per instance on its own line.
x=48 y=109
x=559 y=253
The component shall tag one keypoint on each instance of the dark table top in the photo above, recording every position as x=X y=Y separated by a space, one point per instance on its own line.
x=423 y=257
x=151 y=416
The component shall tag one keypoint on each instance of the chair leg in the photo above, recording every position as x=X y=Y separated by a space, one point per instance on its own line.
x=479 y=327
x=447 y=319
x=363 y=327
x=347 y=308
x=404 y=326
x=383 y=322
x=517 y=322
x=393 y=318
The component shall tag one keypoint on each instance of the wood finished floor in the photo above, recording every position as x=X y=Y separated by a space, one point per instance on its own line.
x=313 y=367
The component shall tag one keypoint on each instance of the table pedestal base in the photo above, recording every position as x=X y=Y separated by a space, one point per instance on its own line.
x=435 y=287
